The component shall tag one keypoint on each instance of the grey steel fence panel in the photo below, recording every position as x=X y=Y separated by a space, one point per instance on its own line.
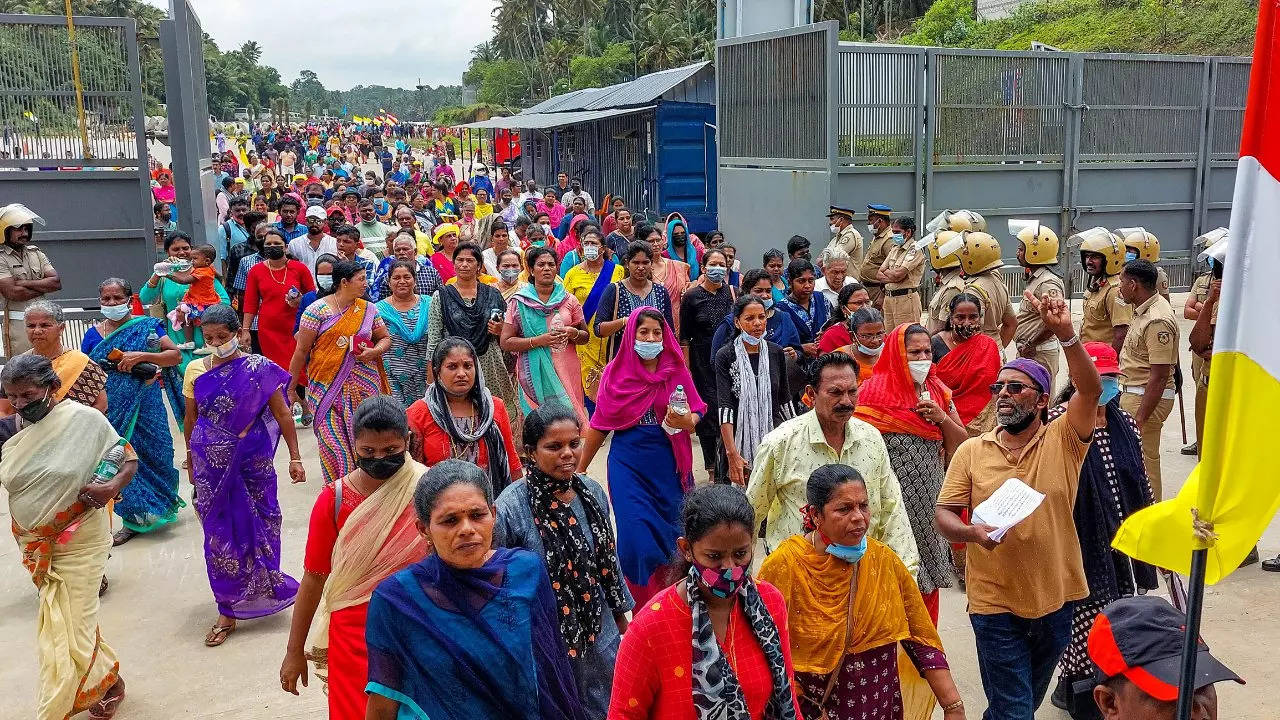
x=772 y=97
x=622 y=165
x=997 y=106
x=1230 y=86
x=879 y=123
x=1142 y=107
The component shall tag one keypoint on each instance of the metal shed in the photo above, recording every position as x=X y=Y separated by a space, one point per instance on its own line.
x=651 y=141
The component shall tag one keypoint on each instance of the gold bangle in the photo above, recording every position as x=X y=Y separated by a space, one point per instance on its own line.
x=953 y=706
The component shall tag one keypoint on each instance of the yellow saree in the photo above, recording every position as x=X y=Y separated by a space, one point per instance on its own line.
x=887 y=610
x=64 y=545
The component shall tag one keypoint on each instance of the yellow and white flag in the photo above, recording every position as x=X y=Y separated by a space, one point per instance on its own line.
x=1235 y=486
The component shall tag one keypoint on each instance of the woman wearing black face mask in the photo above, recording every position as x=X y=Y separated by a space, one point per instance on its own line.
x=968 y=362
x=274 y=291
x=362 y=531
x=50 y=451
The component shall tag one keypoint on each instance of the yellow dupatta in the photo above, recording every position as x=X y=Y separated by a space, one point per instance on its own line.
x=378 y=539
x=887 y=608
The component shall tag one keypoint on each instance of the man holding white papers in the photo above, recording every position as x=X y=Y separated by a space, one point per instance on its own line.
x=1021 y=587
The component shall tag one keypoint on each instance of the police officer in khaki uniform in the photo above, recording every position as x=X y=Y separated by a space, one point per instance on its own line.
x=1147 y=361
x=1196 y=304
x=948 y=278
x=980 y=259
x=844 y=236
x=25 y=274
x=1142 y=245
x=878 y=223
x=1037 y=252
x=901 y=272
x=1106 y=316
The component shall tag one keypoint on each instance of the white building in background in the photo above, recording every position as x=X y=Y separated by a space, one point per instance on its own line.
x=748 y=17
x=996 y=9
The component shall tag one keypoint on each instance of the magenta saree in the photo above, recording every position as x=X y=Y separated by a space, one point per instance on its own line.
x=233 y=444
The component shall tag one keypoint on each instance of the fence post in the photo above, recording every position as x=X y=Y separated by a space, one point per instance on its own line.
x=1203 y=151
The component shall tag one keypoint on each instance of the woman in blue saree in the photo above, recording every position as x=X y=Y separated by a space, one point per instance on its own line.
x=135 y=407
x=468 y=632
x=235 y=417
x=405 y=313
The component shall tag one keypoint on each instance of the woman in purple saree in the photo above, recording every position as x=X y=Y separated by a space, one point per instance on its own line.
x=235 y=416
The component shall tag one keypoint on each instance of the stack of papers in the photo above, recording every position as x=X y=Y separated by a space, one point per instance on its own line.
x=1007 y=506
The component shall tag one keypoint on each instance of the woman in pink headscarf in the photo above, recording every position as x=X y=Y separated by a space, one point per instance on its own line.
x=651 y=456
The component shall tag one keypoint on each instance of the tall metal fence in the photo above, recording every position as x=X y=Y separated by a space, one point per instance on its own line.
x=1075 y=140
x=95 y=198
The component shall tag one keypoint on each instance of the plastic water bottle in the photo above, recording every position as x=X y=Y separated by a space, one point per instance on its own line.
x=679 y=402
x=557 y=325
x=297 y=414
x=110 y=463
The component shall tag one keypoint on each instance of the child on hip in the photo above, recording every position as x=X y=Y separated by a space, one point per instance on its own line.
x=200 y=294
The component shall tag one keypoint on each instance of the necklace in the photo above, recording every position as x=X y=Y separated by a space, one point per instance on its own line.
x=283 y=277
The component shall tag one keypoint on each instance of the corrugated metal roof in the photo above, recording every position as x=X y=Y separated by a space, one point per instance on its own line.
x=541 y=121
x=642 y=90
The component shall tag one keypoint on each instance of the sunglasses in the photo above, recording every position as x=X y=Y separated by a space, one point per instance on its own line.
x=1014 y=387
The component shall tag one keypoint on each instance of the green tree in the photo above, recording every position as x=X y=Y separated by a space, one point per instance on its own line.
x=612 y=66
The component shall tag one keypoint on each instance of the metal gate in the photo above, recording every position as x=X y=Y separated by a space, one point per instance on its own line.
x=775 y=106
x=94 y=195
x=1073 y=139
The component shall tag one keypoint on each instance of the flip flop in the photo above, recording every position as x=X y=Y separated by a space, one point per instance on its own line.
x=122 y=536
x=106 y=708
x=102 y=588
x=218 y=635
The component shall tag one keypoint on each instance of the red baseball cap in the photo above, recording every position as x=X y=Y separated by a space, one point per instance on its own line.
x=1104 y=357
x=1141 y=638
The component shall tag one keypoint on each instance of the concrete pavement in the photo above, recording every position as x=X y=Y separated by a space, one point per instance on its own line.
x=158 y=610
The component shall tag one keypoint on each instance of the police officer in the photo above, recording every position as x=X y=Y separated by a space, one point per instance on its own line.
x=1147 y=361
x=25 y=274
x=901 y=272
x=844 y=235
x=1142 y=245
x=1197 y=304
x=1106 y=317
x=980 y=258
x=948 y=277
x=878 y=223
x=1037 y=252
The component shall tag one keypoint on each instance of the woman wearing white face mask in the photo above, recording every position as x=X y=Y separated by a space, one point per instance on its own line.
x=866 y=329
x=651 y=454
x=586 y=281
x=135 y=350
x=911 y=407
x=752 y=390
x=236 y=498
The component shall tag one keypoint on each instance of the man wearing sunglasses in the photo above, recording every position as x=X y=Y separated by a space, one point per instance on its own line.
x=1021 y=587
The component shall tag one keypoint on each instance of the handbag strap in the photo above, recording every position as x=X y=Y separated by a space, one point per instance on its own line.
x=337 y=500
x=848 y=636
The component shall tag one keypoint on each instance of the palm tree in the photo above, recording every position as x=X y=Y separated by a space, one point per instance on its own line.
x=251 y=52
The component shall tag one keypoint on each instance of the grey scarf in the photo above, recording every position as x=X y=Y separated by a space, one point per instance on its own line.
x=755 y=399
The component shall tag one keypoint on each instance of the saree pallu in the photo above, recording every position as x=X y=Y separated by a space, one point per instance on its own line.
x=233 y=445
x=478 y=643
x=588 y=288
x=82 y=379
x=64 y=545
x=151 y=499
x=379 y=538
x=968 y=370
x=338 y=382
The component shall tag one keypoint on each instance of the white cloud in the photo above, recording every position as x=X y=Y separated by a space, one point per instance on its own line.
x=354 y=42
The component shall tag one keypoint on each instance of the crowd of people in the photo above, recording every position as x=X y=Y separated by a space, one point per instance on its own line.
x=462 y=351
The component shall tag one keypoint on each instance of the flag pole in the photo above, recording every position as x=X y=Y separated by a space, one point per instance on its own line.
x=1191 y=639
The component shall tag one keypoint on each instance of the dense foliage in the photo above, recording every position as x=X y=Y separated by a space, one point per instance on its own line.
x=1211 y=27
x=234 y=79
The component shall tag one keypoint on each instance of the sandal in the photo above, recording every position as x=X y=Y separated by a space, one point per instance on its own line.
x=122 y=536
x=106 y=708
x=102 y=588
x=218 y=635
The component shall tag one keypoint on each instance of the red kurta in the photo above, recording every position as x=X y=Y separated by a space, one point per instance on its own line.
x=653 y=676
x=437 y=446
x=264 y=296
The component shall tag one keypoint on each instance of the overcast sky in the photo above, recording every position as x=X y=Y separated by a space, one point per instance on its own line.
x=362 y=42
